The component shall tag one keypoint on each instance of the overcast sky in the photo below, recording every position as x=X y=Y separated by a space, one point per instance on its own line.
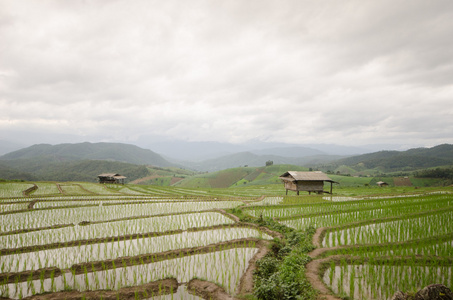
x=344 y=72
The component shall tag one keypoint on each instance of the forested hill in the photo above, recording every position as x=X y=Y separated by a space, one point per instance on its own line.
x=79 y=170
x=89 y=151
x=440 y=155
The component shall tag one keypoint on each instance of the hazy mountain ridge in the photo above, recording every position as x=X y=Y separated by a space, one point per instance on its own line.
x=200 y=151
x=7 y=146
x=254 y=160
x=84 y=161
x=291 y=151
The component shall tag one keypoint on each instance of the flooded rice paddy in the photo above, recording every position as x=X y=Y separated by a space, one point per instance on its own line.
x=382 y=281
x=115 y=228
x=49 y=217
x=392 y=231
x=65 y=257
x=221 y=267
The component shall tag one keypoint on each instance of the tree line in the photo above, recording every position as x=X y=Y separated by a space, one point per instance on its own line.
x=442 y=173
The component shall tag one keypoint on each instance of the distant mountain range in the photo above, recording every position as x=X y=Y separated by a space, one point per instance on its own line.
x=135 y=155
x=83 y=161
x=250 y=159
x=200 y=151
x=392 y=161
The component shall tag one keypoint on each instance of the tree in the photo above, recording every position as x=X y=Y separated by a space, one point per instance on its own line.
x=269 y=163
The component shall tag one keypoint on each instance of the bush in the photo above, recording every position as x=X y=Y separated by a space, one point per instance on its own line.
x=266 y=266
x=281 y=274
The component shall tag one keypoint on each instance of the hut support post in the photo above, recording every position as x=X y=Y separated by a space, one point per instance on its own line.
x=331 y=187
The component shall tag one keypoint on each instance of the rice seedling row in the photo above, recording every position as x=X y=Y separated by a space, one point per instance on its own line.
x=10 y=207
x=13 y=189
x=46 y=188
x=74 y=189
x=222 y=267
x=341 y=218
x=114 y=228
x=65 y=257
x=380 y=281
x=392 y=231
x=439 y=246
x=269 y=201
x=82 y=202
x=49 y=217
x=282 y=211
x=96 y=188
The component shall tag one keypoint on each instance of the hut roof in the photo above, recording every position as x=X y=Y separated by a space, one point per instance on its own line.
x=305 y=176
x=112 y=175
x=108 y=174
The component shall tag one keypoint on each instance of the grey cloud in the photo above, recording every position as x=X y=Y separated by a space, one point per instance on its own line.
x=350 y=71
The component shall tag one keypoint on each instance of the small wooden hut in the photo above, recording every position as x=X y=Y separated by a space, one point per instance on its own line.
x=382 y=183
x=111 y=178
x=306 y=181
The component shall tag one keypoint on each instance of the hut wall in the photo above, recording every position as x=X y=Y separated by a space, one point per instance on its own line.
x=290 y=186
x=310 y=186
x=106 y=180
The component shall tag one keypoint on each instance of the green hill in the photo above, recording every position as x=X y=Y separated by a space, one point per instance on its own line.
x=237 y=177
x=85 y=170
x=12 y=174
x=393 y=161
x=78 y=162
x=89 y=151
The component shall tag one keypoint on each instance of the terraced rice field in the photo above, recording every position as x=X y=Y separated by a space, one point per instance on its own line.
x=144 y=242
x=82 y=242
x=372 y=247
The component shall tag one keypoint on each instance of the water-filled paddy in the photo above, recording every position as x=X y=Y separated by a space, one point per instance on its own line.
x=382 y=281
x=336 y=219
x=13 y=206
x=222 y=267
x=65 y=257
x=334 y=207
x=392 y=231
x=116 y=228
x=44 y=218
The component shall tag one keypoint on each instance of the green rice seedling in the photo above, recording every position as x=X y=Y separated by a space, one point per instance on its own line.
x=393 y=231
x=380 y=281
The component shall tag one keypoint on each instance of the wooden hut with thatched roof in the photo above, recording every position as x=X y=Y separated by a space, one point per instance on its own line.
x=111 y=178
x=306 y=181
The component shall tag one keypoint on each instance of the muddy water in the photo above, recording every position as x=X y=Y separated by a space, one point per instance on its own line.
x=182 y=293
x=382 y=281
x=222 y=267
